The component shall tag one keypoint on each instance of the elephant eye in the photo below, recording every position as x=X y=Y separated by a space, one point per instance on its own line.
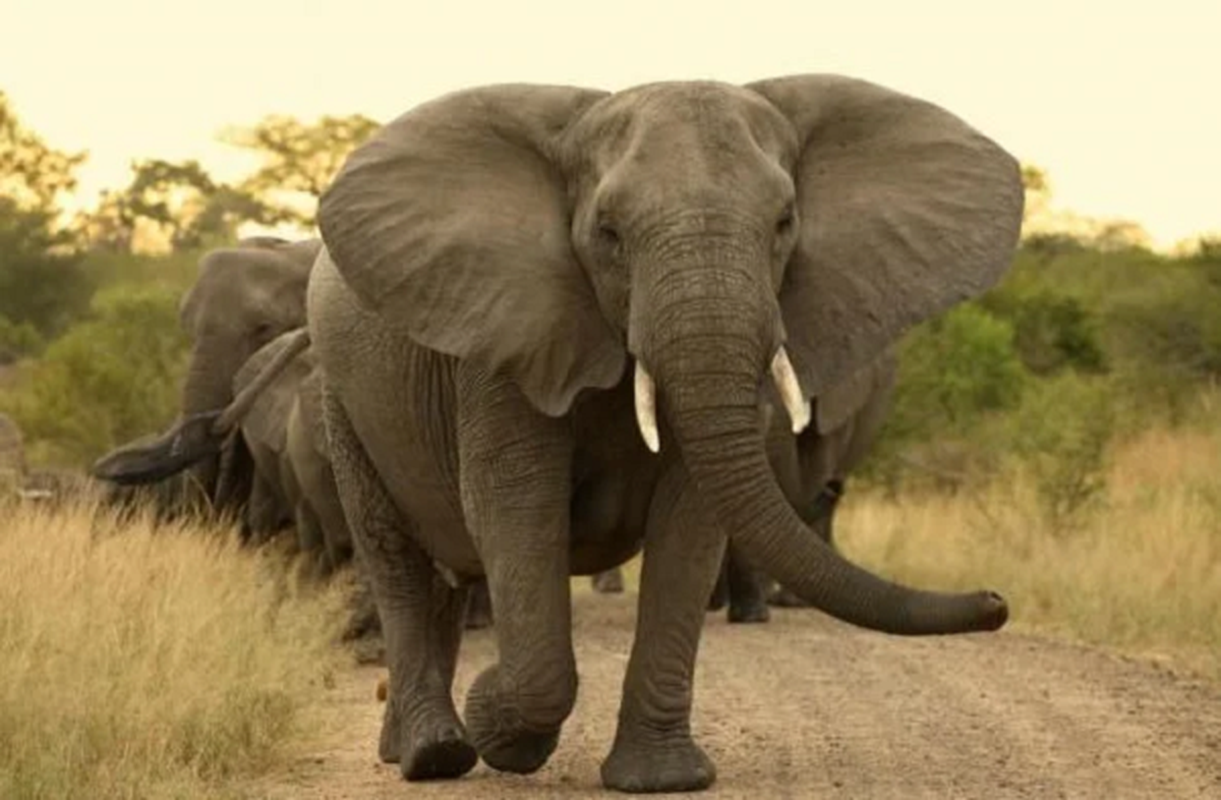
x=785 y=223
x=608 y=234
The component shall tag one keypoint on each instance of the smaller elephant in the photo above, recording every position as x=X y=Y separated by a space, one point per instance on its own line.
x=812 y=469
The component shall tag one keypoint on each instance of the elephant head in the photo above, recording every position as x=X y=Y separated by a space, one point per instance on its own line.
x=721 y=239
x=245 y=297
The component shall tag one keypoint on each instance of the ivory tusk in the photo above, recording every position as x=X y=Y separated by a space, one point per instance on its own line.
x=790 y=391
x=646 y=408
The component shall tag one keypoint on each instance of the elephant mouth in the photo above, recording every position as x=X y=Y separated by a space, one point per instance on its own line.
x=782 y=374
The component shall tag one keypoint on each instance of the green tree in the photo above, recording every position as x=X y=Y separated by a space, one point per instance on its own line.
x=41 y=283
x=176 y=203
x=109 y=379
x=33 y=176
x=957 y=367
x=299 y=159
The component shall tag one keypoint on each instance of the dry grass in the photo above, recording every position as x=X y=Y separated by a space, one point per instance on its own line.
x=149 y=664
x=1141 y=571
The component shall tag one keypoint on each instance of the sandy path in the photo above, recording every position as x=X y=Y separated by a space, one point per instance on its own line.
x=808 y=707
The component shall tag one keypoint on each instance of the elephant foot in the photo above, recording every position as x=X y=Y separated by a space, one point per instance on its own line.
x=435 y=747
x=609 y=582
x=754 y=612
x=503 y=740
x=784 y=598
x=641 y=768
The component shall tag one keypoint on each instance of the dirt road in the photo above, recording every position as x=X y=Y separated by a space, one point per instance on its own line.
x=808 y=707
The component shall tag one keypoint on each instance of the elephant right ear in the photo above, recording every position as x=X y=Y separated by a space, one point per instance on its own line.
x=453 y=221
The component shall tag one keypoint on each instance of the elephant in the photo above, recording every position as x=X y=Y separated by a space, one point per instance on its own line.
x=245 y=296
x=813 y=476
x=550 y=321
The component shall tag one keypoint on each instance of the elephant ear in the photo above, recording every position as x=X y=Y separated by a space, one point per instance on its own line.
x=453 y=222
x=905 y=210
x=267 y=420
x=839 y=404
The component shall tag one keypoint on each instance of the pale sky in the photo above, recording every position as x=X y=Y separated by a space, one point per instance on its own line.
x=1121 y=106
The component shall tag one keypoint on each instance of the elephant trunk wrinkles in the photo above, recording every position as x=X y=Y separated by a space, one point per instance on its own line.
x=209 y=387
x=708 y=356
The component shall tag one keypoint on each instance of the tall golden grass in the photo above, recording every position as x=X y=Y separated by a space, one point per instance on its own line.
x=1140 y=571
x=149 y=663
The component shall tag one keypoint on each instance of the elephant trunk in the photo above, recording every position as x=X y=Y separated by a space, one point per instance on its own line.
x=711 y=341
x=209 y=387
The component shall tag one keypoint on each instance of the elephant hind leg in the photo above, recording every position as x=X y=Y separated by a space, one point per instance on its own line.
x=310 y=541
x=747 y=589
x=421 y=618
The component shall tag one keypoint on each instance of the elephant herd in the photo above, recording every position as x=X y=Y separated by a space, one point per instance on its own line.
x=546 y=329
x=247 y=309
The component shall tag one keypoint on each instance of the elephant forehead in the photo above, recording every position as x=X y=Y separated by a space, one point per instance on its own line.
x=661 y=122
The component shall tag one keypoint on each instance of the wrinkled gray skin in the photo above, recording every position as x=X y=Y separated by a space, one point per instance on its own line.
x=812 y=474
x=498 y=262
x=293 y=480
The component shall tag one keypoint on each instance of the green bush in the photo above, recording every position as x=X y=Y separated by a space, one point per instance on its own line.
x=109 y=379
x=1052 y=331
x=1061 y=434
x=18 y=340
x=954 y=371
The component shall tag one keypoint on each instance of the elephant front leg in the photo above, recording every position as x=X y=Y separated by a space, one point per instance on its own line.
x=653 y=749
x=515 y=469
x=421 y=618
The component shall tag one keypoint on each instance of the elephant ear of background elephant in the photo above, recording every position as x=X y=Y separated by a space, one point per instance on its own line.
x=476 y=260
x=265 y=422
x=835 y=407
x=904 y=210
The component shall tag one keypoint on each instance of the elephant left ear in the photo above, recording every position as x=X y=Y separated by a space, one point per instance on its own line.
x=453 y=224
x=904 y=210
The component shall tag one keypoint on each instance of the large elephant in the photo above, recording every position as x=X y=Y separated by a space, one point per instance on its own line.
x=517 y=278
x=813 y=470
